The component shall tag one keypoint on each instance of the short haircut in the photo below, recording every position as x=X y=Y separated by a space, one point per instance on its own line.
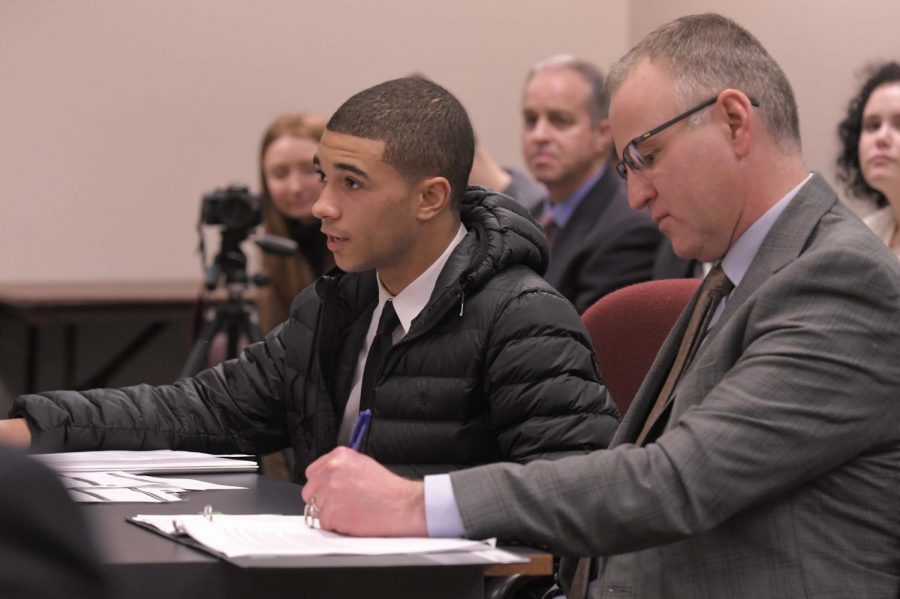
x=598 y=100
x=708 y=53
x=425 y=130
x=849 y=130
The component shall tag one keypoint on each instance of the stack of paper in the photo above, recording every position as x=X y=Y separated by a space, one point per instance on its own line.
x=125 y=487
x=112 y=476
x=172 y=462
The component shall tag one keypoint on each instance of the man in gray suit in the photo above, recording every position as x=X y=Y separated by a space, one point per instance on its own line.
x=773 y=468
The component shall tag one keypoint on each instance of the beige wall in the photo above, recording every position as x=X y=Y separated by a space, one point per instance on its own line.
x=116 y=116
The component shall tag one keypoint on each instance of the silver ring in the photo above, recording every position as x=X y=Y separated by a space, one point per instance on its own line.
x=311 y=512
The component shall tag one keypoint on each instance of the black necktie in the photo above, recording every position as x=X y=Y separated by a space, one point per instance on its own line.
x=715 y=286
x=381 y=345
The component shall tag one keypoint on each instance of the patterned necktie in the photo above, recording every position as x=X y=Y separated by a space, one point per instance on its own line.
x=715 y=286
x=549 y=226
x=381 y=345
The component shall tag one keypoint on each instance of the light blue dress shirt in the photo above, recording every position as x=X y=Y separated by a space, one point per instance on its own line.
x=562 y=211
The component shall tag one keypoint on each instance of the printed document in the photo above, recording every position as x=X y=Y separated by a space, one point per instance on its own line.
x=126 y=487
x=273 y=535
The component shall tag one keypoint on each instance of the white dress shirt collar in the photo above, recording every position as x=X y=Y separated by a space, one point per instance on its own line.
x=409 y=302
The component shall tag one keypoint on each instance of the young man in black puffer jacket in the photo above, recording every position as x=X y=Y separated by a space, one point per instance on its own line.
x=488 y=362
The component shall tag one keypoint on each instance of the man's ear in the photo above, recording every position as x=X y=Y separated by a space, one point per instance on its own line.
x=433 y=197
x=603 y=138
x=738 y=120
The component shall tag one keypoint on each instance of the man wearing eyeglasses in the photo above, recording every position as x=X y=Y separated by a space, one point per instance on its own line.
x=769 y=467
x=667 y=264
x=597 y=244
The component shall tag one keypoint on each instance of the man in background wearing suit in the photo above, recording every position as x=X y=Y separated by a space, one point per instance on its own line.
x=771 y=470
x=597 y=244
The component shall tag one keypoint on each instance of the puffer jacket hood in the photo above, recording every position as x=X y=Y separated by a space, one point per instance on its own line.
x=509 y=232
x=502 y=235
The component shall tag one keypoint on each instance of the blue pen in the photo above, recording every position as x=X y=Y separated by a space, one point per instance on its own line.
x=359 y=429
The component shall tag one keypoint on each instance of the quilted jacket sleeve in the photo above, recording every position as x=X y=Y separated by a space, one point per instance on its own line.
x=235 y=406
x=547 y=398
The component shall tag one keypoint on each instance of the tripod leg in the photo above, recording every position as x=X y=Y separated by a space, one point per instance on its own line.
x=240 y=325
x=249 y=327
x=253 y=332
x=233 y=330
x=196 y=360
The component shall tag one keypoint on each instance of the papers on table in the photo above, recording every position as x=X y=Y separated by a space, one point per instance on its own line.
x=172 y=462
x=112 y=476
x=271 y=535
x=125 y=487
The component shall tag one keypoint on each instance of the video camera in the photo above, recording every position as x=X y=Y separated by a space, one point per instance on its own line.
x=238 y=212
x=234 y=207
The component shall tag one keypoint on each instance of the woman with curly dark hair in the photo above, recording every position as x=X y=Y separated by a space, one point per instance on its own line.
x=869 y=163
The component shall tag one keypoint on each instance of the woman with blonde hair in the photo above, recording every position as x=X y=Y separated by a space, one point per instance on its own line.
x=290 y=185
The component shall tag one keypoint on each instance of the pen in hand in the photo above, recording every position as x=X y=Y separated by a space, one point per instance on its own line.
x=311 y=509
x=360 y=429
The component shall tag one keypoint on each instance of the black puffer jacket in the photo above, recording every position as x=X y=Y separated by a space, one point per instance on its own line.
x=497 y=366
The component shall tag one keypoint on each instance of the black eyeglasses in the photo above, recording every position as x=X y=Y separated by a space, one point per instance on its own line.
x=631 y=156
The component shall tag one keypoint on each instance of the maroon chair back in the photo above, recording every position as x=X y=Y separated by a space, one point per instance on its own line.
x=628 y=326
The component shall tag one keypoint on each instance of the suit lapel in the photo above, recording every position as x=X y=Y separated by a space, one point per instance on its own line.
x=782 y=245
x=645 y=397
x=785 y=240
x=570 y=239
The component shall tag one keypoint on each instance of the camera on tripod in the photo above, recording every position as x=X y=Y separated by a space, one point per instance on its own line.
x=233 y=207
x=237 y=213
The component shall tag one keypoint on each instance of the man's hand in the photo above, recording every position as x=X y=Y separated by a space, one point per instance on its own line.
x=358 y=496
x=15 y=433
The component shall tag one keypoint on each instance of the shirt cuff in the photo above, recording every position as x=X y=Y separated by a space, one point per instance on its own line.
x=442 y=516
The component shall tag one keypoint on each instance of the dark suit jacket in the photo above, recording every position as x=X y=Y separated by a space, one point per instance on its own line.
x=776 y=474
x=45 y=552
x=605 y=245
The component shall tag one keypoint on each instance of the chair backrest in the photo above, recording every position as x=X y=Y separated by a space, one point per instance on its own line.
x=629 y=325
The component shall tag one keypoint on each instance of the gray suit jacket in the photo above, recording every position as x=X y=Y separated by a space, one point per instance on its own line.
x=778 y=473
